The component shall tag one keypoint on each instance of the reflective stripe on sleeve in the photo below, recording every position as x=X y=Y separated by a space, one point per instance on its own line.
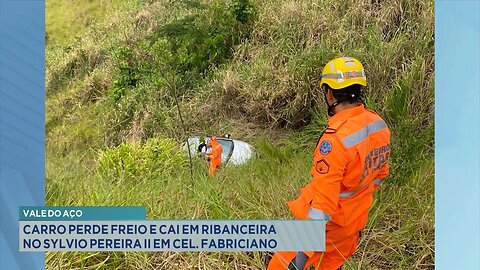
x=345 y=195
x=377 y=181
x=316 y=214
x=348 y=194
x=363 y=133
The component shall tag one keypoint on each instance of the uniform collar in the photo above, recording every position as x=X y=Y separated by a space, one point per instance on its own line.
x=340 y=116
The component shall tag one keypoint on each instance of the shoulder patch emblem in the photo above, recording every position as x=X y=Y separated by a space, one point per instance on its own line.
x=325 y=147
x=322 y=167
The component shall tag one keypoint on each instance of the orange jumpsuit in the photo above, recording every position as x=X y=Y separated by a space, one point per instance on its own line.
x=215 y=157
x=349 y=163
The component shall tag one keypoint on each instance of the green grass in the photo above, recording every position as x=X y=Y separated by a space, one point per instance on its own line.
x=67 y=21
x=399 y=234
x=110 y=103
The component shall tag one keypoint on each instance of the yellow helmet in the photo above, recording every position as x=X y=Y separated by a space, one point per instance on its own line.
x=342 y=72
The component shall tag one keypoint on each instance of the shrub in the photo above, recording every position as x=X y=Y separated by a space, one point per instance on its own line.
x=206 y=38
x=170 y=64
x=156 y=157
x=127 y=73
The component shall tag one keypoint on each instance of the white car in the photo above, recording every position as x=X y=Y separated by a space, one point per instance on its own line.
x=233 y=151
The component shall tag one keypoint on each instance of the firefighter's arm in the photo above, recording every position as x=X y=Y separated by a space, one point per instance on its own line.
x=213 y=152
x=382 y=174
x=329 y=165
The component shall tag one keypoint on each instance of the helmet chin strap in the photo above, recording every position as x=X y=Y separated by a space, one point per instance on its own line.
x=332 y=106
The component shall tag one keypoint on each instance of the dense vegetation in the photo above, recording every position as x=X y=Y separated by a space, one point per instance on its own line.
x=117 y=69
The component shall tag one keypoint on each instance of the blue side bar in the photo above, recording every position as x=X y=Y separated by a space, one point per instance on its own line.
x=457 y=135
x=22 y=123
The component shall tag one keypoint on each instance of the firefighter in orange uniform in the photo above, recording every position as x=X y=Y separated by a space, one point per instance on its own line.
x=215 y=155
x=349 y=163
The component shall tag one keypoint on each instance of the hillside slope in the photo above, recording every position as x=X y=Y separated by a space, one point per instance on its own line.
x=246 y=68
